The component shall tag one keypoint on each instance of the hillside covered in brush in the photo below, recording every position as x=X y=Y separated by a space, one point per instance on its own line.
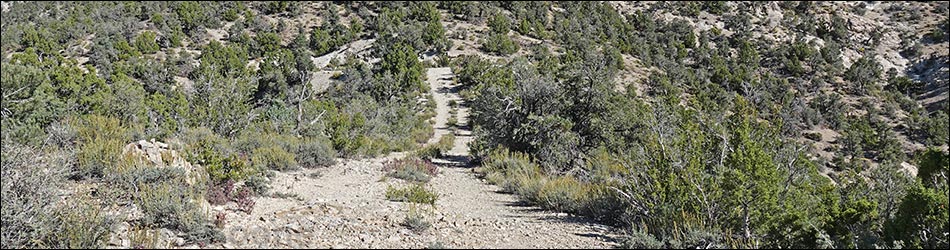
x=676 y=124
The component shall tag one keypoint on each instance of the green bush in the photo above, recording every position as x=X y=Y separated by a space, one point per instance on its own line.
x=500 y=44
x=437 y=150
x=931 y=162
x=510 y=166
x=231 y=15
x=276 y=7
x=173 y=205
x=164 y=204
x=344 y=129
x=199 y=230
x=175 y=39
x=921 y=211
x=938 y=129
x=315 y=153
x=201 y=145
x=142 y=238
x=415 y=193
x=515 y=173
x=127 y=51
x=131 y=172
x=499 y=24
x=690 y=235
x=864 y=74
x=428 y=152
x=941 y=33
x=33 y=213
x=452 y=121
x=320 y=41
x=80 y=225
x=145 y=42
x=415 y=220
x=166 y=195
x=446 y=143
x=101 y=140
x=640 y=240
x=258 y=183
x=904 y=85
x=96 y=156
x=232 y=167
x=421 y=134
x=213 y=152
x=527 y=187
x=275 y=158
x=265 y=43
x=562 y=194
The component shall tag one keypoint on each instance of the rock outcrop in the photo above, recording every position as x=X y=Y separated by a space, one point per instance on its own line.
x=158 y=154
x=154 y=154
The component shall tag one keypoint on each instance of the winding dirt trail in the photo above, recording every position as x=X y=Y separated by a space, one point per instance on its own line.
x=343 y=206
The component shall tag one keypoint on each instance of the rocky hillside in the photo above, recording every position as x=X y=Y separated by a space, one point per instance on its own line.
x=905 y=39
x=475 y=124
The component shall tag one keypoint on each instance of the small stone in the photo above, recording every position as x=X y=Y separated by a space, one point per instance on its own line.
x=294 y=227
x=120 y=227
x=393 y=238
x=114 y=240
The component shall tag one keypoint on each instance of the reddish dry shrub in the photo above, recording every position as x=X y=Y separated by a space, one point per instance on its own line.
x=244 y=201
x=423 y=165
x=220 y=219
x=220 y=193
x=411 y=169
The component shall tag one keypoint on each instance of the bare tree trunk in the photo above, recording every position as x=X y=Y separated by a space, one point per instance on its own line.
x=307 y=93
x=746 y=220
